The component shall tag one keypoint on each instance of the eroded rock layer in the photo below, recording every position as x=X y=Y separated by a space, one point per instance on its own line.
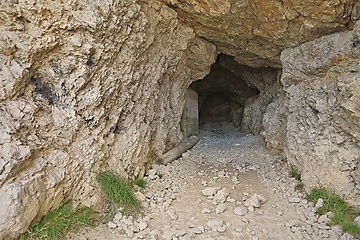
x=85 y=86
x=256 y=31
x=321 y=136
x=91 y=85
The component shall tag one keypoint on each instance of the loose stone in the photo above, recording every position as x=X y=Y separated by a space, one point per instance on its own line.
x=241 y=211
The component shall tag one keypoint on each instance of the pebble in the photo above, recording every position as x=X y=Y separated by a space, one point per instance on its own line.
x=172 y=214
x=135 y=228
x=357 y=220
x=241 y=211
x=220 y=196
x=140 y=196
x=324 y=219
x=206 y=211
x=337 y=229
x=294 y=200
x=347 y=236
x=201 y=228
x=143 y=225
x=210 y=191
x=220 y=208
x=111 y=225
x=117 y=218
x=186 y=154
x=152 y=173
x=215 y=223
x=255 y=200
x=221 y=229
x=319 y=203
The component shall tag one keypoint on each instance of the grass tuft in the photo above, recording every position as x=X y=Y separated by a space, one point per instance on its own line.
x=294 y=173
x=119 y=191
x=344 y=214
x=55 y=224
x=300 y=186
x=140 y=182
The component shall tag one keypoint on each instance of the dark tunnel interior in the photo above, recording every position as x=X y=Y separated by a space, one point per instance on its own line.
x=222 y=93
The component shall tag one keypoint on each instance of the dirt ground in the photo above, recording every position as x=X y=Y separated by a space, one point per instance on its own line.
x=227 y=187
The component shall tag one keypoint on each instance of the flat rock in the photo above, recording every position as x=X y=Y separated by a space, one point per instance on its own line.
x=357 y=220
x=210 y=191
x=337 y=229
x=319 y=203
x=112 y=225
x=323 y=219
x=117 y=218
x=221 y=229
x=241 y=211
x=172 y=214
x=220 y=208
x=347 y=236
x=152 y=172
x=206 y=211
x=215 y=223
x=294 y=200
x=142 y=225
x=221 y=195
x=255 y=200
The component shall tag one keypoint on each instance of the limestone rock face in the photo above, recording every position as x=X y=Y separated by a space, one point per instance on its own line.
x=91 y=85
x=256 y=31
x=274 y=123
x=86 y=85
x=322 y=83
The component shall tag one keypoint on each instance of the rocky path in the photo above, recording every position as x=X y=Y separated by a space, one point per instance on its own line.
x=227 y=187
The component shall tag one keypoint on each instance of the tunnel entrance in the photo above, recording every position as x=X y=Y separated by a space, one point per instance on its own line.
x=222 y=94
x=215 y=108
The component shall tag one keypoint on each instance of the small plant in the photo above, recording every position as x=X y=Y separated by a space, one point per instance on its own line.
x=344 y=214
x=300 y=186
x=58 y=222
x=119 y=191
x=294 y=173
x=140 y=182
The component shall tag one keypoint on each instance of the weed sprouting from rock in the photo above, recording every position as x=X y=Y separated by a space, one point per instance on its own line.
x=140 y=182
x=294 y=173
x=120 y=192
x=55 y=224
x=343 y=213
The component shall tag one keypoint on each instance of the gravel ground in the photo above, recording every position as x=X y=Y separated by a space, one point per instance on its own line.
x=227 y=187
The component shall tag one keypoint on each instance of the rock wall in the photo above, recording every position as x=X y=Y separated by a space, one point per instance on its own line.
x=321 y=136
x=85 y=86
x=255 y=32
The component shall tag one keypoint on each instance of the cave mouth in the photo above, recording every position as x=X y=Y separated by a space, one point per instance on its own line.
x=216 y=107
x=222 y=94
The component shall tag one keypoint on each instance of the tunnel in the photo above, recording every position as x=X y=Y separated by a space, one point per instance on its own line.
x=223 y=93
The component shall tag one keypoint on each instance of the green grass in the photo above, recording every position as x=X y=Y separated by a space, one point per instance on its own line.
x=55 y=224
x=140 y=182
x=344 y=214
x=294 y=173
x=119 y=191
x=300 y=186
